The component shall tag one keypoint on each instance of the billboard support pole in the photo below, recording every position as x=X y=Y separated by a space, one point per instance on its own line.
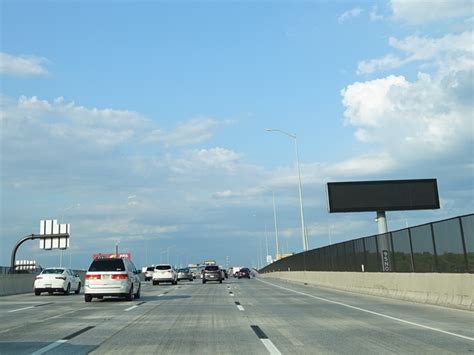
x=382 y=222
x=384 y=241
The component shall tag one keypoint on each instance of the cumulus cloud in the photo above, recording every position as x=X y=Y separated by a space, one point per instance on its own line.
x=348 y=15
x=422 y=11
x=429 y=116
x=22 y=66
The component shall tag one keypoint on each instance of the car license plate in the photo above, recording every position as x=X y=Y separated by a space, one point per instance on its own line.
x=48 y=286
x=106 y=277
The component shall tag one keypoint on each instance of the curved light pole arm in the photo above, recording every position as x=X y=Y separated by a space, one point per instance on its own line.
x=17 y=245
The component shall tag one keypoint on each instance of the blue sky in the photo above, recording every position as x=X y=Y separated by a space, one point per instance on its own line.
x=143 y=123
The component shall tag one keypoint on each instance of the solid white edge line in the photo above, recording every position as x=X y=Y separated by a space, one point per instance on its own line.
x=372 y=312
x=240 y=308
x=20 y=309
x=49 y=347
x=130 y=308
x=272 y=349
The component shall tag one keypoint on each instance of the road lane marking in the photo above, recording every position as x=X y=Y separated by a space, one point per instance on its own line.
x=29 y=307
x=130 y=308
x=79 y=332
x=372 y=312
x=61 y=341
x=272 y=349
x=239 y=306
x=21 y=309
x=49 y=347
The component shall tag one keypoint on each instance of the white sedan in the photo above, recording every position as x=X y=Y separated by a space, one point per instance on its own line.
x=57 y=279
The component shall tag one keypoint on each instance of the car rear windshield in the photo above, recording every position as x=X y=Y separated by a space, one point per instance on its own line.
x=107 y=265
x=163 y=267
x=212 y=268
x=151 y=268
x=52 y=271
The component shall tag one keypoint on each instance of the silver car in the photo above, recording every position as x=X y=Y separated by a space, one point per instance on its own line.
x=112 y=277
x=149 y=273
x=164 y=273
x=185 y=274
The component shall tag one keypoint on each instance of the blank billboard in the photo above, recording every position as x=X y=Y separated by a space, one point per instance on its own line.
x=384 y=195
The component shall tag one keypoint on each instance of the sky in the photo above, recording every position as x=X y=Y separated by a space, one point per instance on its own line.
x=143 y=124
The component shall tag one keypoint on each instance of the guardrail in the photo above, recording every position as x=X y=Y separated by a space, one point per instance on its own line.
x=445 y=246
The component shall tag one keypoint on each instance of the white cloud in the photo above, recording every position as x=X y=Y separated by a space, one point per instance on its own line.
x=387 y=62
x=194 y=131
x=367 y=102
x=423 y=11
x=417 y=48
x=22 y=66
x=346 y=16
x=365 y=165
x=374 y=15
x=218 y=160
x=430 y=116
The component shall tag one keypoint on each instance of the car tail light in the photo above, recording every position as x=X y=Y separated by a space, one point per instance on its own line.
x=60 y=277
x=119 y=277
x=93 y=277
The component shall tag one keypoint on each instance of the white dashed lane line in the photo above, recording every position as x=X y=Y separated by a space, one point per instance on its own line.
x=272 y=349
x=61 y=341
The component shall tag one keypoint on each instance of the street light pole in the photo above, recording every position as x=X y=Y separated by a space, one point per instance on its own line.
x=276 y=228
x=303 y=227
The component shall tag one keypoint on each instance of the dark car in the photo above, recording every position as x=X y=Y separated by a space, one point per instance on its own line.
x=211 y=273
x=244 y=272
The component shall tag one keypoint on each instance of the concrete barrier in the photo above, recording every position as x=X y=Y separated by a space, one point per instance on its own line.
x=449 y=290
x=12 y=284
x=16 y=283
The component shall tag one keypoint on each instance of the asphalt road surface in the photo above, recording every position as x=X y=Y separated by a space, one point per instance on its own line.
x=257 y=316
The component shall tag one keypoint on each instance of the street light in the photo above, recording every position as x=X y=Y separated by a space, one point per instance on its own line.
x=62 y=218
x=303 y=228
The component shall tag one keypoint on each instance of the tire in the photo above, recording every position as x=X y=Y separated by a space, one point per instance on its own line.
x=175 y=283
x=129 y=296
x=78 y=289
x=203 y=281
x=87 y=298
x=67 y=290
x=154 y=283
x=137 y=295
x=37 y=292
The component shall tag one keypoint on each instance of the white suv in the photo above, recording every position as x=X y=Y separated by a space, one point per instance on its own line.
x=164 y=273
x=112 y=277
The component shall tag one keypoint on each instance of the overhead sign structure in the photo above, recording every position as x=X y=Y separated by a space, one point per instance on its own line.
x=383 y=195
x=54 y=235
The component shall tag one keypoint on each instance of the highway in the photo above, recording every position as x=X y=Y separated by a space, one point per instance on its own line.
x=256 y=316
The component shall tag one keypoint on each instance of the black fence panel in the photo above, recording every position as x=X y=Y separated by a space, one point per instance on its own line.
x=444 y=246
